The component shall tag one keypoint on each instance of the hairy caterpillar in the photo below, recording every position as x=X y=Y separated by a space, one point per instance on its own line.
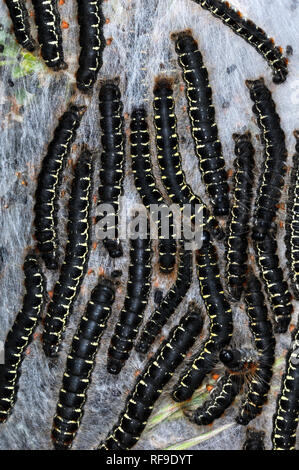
x=261 y=328
x=221 y=324
x=146 y=185
x=292 y=223
x=79 y=365
x=92 y=43
x=19 y=17
x=275 y=284
x=238 y=223
x=238 y=362
x=21 y=334
x=222 y=396
x=169 y=157
x=151 y=381
x=254 y=440
x=203 y=126
x=48 y=184
x=75 y=262
x=169 y=304
x=273 y=171
x=47 y=19
x=112 y=160
x=285 y=419
x=252 y=34
x=131 y=316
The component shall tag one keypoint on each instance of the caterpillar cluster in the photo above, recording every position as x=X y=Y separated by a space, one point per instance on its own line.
x=168 y=304
x=169 y=157
x=254 y=440
x=48 y=185
x=264 y=340
x=221 y=325
x=202 y=118
x=79 y=365
x=252 y=34
x=19 y=17
x=238 y=223
x=47 y=18
x=20 y=335
x=92 y=42
x=75 y=262
x=146 y=186
x=275 y=284
x=286 y=417
x=131 y=315
x=112 y=162
x=292 y=223
x=150 y=382
x=272 y=174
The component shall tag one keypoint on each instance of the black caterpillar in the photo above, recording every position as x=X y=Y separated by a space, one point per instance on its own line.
x=202 y=118
x=228 y=387
x=131 y=315
x=273 y=171
x=275 y=284
x=48 y=185
x=75 y=262
x=92 y=42
x=252 y=34
x=112 y=161
x=285 y=420
x=221 y=324
x=261 y=328
x=19 y=17
x=254 y=440
x=238 y=223
x=150 y=383
x=292 y=223
x=169 y=157
x=222 y=396
x=146 y=185
x=20 y=335
x=79 y=365
x=169 y=304
x=47 y=19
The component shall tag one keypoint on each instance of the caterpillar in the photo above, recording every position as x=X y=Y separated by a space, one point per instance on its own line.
x=146 y=185
x=228 y=387
x=47 y=19
x=48 y=184
x=238 y=223
x=272 y=176
x=222 y=396
x=131 y=315
x=254 y=440
x=169 y=157
x=252 y=34
x=112 y=161
x=150 y=382
x=75 y=262
x=275 y=284
x=19 y=17
x=292 y=223
x=169 y=304
x=221 y=324
x=285 y=420
x=261 y=328
x=20 y=335
x=79 y=365
x=92 y=43
x=202 y=119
